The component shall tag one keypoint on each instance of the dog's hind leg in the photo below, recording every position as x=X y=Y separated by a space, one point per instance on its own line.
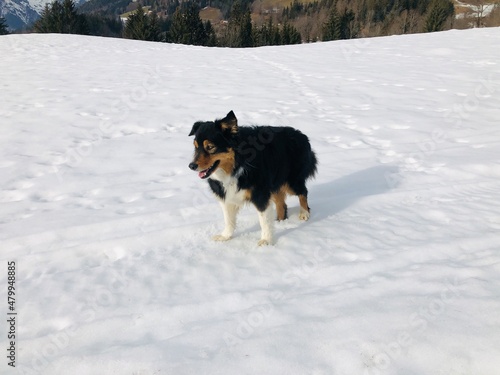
x=230 y=211
x=300 y=190
x=304 y=207
x=262 y=201
x=279 y=201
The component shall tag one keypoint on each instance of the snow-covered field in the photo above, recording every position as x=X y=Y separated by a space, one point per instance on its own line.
x=396 y=272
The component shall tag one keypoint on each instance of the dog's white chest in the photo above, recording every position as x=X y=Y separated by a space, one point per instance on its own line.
x=230 y=184
x=233 y=195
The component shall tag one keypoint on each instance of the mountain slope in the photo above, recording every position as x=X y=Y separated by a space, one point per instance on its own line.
x=18 y=13
x=21 y=13
x=396 y=272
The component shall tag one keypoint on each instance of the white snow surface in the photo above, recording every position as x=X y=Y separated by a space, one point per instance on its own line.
x=396 y=272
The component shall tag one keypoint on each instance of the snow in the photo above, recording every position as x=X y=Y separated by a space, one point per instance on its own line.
x=396 y=272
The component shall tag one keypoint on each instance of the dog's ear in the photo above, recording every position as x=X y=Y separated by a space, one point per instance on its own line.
x=229 y=123
x=195 y=128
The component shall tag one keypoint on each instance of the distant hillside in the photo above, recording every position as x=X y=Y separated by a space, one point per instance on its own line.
x=105 y=7
x=360 y=18
x=17 y=13
x=21 y=13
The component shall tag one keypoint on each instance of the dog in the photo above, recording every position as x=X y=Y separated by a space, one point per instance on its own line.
x=256 y=164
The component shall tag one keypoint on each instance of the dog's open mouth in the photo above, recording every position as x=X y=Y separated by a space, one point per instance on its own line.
x=207 y=172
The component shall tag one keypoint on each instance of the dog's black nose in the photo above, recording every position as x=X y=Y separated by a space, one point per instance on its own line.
x=193 y=166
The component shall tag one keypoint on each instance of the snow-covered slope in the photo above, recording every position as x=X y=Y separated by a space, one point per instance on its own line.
x=396 y=272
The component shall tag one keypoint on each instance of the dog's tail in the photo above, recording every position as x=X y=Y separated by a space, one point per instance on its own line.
x=311 y=164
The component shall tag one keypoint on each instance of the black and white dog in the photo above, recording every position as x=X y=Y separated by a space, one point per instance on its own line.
x=253 y=164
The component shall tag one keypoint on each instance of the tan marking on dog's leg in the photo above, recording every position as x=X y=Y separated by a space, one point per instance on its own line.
x=248 y=194
x=304 y=208
x=279 y=201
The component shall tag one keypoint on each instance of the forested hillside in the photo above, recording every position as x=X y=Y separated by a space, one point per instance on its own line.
x=244 y=23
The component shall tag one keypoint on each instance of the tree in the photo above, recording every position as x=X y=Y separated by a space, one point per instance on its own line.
x=239 y=31
x=187 y=26
x=61 y=18
x=347 y=25
x=178 y=32
x=246 y=34
x=478 y=10
x=141 y=26
x=332 y=29
x=154 y=30
x=136 y=26
x=290 y=35
x=440 y=11
x=211 y=36
x=104 y=26
x=3 y=26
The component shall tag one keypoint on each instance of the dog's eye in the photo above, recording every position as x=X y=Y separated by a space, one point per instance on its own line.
x=210 y=148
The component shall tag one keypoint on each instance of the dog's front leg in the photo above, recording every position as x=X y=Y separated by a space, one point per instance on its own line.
x=266 y=219
x=230 y=211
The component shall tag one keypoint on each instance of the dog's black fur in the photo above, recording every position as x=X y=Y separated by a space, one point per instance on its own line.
x=265 y=161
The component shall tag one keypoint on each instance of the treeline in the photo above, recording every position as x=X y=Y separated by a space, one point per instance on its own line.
x=247 y=24
x=346 y=19
x=64 y=18
x=184 y=26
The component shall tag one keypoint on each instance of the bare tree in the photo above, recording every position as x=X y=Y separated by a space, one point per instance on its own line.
x=479 y=7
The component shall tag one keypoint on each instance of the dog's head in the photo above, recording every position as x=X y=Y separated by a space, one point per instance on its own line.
x=212 y=145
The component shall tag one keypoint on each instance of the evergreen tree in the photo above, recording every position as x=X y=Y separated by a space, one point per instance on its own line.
x=154 y=29
x=290 y=35
x=137 y=25
x=332 y=29
x=104 y=26
x=195 y=25
x=263 y=36
x=178 y=32
x=142 y=26
x=346 y=22
x=239 y=32
x=246 y=33
x=187 y=26
x=211 y=36
x=61 y=18
x=3 y=26
x=440 y=11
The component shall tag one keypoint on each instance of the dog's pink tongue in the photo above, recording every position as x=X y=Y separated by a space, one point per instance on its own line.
x=202 y=174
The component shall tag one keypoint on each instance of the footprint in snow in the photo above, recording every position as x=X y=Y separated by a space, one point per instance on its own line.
x=128 y=198
x=47 y=197
x=334 y=139
x=160 y=194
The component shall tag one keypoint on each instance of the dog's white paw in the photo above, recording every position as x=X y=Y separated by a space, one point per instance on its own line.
x=304 y=215
x=264 y=242
x=221 y=238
